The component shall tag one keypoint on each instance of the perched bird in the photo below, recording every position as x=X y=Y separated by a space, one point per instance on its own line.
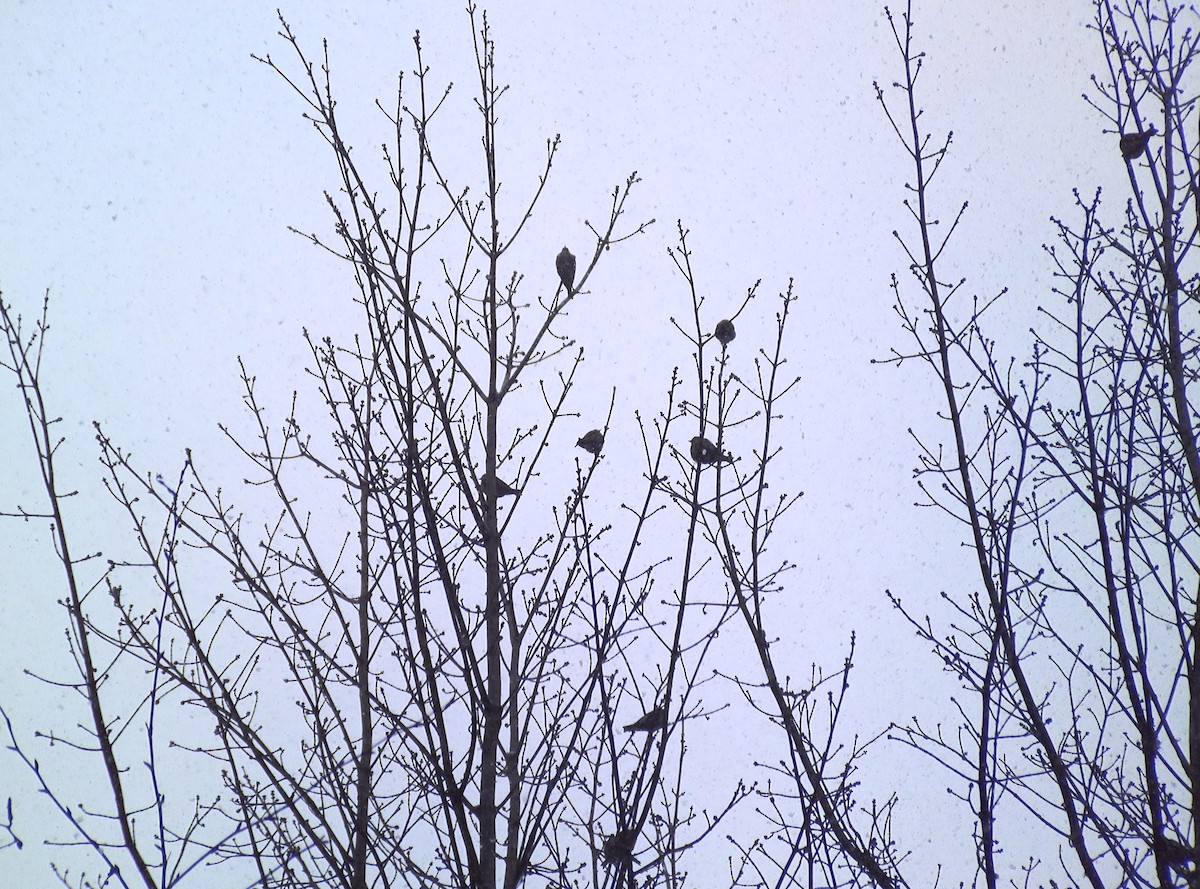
x=1133 y=144
x=565 y=263
x=1175 y=854
x=618 y=847
x=651 y=722
x=704 y=451
x=498 y=488
x=592 y=442
x=725 y=332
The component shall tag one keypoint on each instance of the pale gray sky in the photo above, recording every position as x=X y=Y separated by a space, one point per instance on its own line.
x=151 y=167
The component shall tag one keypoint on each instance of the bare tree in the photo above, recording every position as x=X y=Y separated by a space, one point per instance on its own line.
x=401 y=657
x=1075 y=474
x=485 y=684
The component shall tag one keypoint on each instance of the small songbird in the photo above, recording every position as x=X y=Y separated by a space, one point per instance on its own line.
x=1133 y=144
x=1175 y=854
x=489 y=484
x=618 y=847
x=725 y=332
x=704 y=451
x=592 y=442
x=565 y=263
x=651 y=722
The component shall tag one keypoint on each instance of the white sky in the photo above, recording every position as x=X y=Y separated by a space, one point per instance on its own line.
x=151 y=167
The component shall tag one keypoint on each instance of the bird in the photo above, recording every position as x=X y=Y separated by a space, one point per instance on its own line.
x=618 y=847
x=592 y=442
x=650 y=722
x=704 y=451
x=1175 y=854
x=725 y=332
x=1133 y=144
x=565 y=263
x=489 y=484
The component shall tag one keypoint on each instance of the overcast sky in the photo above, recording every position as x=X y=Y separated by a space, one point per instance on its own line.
x=151 y=169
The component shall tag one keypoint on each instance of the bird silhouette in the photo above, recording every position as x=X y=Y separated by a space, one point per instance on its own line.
x=618 y=847
x=1174 y=853
x=592 y=442
x=704 y=452
x=1134 y=144
x=725 y=332
x=565 y=263
x=650 y=722
x=498 y=488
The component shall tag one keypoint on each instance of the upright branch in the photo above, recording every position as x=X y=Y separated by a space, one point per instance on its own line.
x=735 y=412
x=25 y=353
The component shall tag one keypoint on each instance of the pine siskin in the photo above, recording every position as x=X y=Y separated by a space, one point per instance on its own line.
x=1133 y=144
x=1175 y=854
x=489 y=484
x=725 y=332
x=618 y=847
x=565 y=263
x=593 y=442
x=704 y=451
x=652 y=721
